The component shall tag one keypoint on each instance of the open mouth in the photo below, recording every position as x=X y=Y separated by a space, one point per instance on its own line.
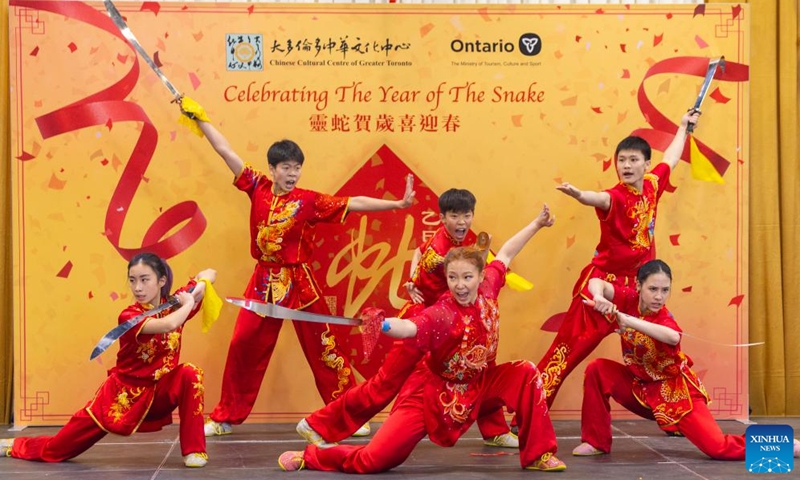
x=290 y=184
x=462 y=297
x=460 y=233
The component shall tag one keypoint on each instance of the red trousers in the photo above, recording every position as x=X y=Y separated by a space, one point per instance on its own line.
x=251 y=348
x=582 y=330
x=173 y=390
x=513 y=384
x=342 y=417
x=608 y=379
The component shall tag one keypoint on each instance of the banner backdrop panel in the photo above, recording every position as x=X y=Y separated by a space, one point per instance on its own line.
x=508 y=101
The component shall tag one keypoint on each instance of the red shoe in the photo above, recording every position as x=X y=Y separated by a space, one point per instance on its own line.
x=291 y=461
x=548 y=463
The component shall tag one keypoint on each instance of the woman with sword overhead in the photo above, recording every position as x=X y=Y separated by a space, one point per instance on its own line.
x=147 y=384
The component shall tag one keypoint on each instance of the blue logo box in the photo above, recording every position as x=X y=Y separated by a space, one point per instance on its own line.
x=770 y=449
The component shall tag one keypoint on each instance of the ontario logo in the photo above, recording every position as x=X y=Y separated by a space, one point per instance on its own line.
x=770 y=449
x=529 y=44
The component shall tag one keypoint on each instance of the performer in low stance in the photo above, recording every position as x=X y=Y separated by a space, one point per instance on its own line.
x=148 y=382
x=656 y=381
x=282 y=220
x=459 y=377
x=342 y=417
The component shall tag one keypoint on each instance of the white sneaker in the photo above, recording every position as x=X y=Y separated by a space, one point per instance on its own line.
x=213 y=429
x=311 y=436
x=195 y=460
x=364 y=431
x=5 y=446
x=506 y=440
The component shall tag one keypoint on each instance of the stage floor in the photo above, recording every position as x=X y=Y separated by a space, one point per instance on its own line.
x=641 y=451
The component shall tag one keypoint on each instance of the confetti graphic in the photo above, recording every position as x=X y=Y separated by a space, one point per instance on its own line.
x=101 y=166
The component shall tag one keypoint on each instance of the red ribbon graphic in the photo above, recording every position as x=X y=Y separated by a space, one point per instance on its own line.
x=664 y=129
x=110 y=104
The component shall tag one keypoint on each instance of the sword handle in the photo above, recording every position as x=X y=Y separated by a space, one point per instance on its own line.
x=690 y=125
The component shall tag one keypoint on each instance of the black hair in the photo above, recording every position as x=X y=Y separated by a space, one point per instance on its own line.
x=634 y=143
x=651 y=268
x=284 y=151
x=158 y=264
x=456 y=200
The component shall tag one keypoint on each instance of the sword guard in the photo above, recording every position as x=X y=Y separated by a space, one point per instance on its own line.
x=484 y=240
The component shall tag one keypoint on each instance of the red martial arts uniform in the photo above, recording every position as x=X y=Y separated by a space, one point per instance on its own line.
x=141 y=392
x=281 y=232
x=657 y=383
x=458 y=378
x=342 y=417
x=627 y=242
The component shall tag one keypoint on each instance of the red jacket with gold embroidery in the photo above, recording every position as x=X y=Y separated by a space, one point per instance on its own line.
x=462 y=342
x=627 y=229
x=122 y=402
x=662 y=372
x=281 y=234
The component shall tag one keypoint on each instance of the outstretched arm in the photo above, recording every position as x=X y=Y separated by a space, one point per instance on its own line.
x=195 y=112
x=370 y=204
x=512 y=247
x=673 y=153
x=222 y=147
x=601 y=200
x=399 y=328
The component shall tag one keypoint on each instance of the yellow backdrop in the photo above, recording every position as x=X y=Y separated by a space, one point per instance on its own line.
x=505 y=125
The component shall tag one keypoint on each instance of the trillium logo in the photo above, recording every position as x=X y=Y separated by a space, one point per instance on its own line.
x=530 y=44
x=770 y=449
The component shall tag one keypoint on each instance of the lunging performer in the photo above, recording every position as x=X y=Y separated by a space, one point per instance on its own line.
x=459 y=376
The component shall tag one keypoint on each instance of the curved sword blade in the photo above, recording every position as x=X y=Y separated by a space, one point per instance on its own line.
x=276 y=311
x=116 y=17
x=120 y=329
x=712 y=70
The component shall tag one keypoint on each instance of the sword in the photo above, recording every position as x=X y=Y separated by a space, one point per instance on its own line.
x=120 y=329
x=276 y=311
x=712 y=70
x=116 y=17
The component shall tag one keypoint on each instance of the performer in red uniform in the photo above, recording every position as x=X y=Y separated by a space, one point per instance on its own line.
x=282 y=218
x=342 y=417
x=147 y=384
x=627 y=214
x=656 y=382
x=442 y=397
